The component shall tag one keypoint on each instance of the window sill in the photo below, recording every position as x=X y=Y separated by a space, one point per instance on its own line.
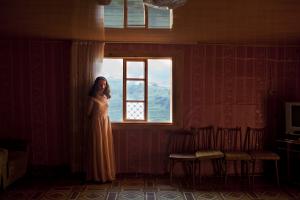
x=138 y=28
x=143 y=125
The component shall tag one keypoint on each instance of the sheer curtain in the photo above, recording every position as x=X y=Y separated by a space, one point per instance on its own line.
x=86 y=62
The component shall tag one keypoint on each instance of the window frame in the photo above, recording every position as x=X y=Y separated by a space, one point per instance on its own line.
x=144 y=122
x=179 y=105
x=145 y=79
x=146 y=26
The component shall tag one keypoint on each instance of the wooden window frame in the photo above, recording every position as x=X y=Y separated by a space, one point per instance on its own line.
x=177 y=56
x=143 y=122
x=126 y=17
x=145 y=79
x=146 y=19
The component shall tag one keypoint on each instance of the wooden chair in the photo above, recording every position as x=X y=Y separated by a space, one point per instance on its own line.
x=230 y=142
x=205 y=148
x=255 y=144
x=181 y=150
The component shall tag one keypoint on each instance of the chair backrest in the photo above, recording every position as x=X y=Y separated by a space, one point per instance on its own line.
x=204 y=138
x=181 y=141
x=229 y=139
x=255 y=138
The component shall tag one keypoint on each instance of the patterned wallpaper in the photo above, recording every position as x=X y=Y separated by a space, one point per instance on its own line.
x=223 y=85
x=34 y=97
x=231 y=85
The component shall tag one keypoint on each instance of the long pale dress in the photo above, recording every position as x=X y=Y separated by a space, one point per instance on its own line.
x=101 y=157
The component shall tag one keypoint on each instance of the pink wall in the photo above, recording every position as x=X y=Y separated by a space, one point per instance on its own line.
x=224 y=85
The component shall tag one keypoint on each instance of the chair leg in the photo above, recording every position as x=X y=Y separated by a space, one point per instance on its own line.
x=186 y=170
x=223 y=166
x=200 y=171
x=215 y=165
x=235 y=168
x=277 y=176
x=225 y=171
x=247 y=171
x=220 y=167
x=193 y=173
x=253 y=171
x=242 y=168
x=171 y=170
x=189 y=169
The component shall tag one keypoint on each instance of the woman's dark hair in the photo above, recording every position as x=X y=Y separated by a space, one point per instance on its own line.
x=95 y=87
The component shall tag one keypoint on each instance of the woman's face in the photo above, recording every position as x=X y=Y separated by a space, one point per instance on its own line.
x=102 y=85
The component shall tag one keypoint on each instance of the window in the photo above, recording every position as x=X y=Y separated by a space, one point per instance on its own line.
x=141 y=89
x=133 y=14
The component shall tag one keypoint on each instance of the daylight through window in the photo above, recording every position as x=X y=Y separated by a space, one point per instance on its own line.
x=133 y=14
x=141 y=89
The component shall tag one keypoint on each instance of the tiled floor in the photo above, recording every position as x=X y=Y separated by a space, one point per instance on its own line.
x=148 y=188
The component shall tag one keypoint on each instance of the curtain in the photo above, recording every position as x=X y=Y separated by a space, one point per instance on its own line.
x=86 y=60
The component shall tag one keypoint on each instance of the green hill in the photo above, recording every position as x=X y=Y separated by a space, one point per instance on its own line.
x=158 y=101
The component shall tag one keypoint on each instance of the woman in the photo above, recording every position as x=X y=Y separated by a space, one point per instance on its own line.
x=101 y=157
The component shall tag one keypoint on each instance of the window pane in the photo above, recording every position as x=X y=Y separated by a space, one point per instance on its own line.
x=135 y=69
x=135 y=110
x=135 y=90
x=112 y=69
x=136 y=13
x=159 y=18
x=114 y=14
x=160 y=90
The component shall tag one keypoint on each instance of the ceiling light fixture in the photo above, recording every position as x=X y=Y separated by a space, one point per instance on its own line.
x=164 y=4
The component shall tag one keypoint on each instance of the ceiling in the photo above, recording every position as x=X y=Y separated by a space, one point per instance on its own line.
x=198 y=21
x=59 y=19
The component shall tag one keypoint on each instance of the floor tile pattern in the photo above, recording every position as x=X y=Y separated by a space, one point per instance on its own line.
x=146 y=188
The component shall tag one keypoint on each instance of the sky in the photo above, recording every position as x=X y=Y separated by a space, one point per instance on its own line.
x=159 y=70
